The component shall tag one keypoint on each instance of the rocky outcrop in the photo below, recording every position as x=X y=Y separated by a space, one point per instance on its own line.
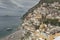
x=38 y=22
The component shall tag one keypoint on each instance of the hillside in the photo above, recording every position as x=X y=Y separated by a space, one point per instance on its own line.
x=41 y=22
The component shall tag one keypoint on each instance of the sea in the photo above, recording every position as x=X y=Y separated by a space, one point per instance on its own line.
x=9 y=25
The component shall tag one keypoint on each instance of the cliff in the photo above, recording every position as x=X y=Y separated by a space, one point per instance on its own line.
x=41 y=22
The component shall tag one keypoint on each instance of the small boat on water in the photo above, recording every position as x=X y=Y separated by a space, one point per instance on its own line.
x=9 y=29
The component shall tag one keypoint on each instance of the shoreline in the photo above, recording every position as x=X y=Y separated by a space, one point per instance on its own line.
x=18 y=33
x=38 y=23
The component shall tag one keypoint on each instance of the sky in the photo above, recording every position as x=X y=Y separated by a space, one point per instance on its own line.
x=16 y=7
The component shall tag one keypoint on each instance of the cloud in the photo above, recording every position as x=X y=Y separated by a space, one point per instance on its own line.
x=25 y=3
x=16 y=7
x=8 y=4
x=3 y=7
x=16 y=3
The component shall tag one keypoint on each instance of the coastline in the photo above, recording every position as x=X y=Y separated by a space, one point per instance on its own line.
x=16 y=35
x=32 y=24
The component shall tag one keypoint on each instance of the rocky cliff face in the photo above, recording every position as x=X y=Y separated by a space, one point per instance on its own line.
x=41 y=22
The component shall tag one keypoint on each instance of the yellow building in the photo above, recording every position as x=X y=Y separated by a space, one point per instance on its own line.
x=43 y=27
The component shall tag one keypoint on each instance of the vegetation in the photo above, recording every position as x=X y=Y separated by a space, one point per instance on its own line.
x=52 y=21
x=50 y=1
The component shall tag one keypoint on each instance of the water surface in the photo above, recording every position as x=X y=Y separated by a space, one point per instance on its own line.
x=8 y=22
